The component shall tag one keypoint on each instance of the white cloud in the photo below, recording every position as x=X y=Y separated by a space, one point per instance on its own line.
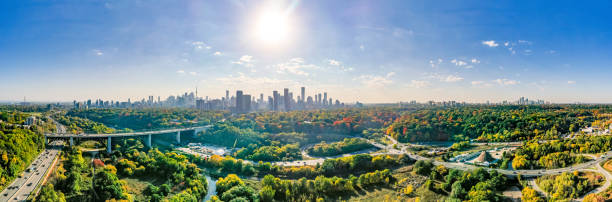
x=571 y=82
x=418 y=84
x=295 y=66
x=193 y=73
x=506 y=43
x=337 y=63
x=481 y=84
x=435 y=63
x=245 y=60
x=243 y=80
x=181 y=71
x=442 y=78
x=375 y=81
x=198 y=45
x=361 y=47
x=217 y=53
x=452 y=78
x=490 y=43
x=334 y=62
x=524 y=42
x=97 y=52
x=475 y=61
x=506 y=82
x=477 y=83
x=459 y=62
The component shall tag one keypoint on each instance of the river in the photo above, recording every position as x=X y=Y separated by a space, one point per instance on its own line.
x=212 y=188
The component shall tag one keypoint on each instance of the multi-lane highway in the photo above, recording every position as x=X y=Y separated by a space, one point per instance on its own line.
x=23 y=186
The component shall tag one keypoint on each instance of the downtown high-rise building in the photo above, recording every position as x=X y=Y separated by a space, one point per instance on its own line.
x=287 y=99
x=303 y=93
x=276 y=100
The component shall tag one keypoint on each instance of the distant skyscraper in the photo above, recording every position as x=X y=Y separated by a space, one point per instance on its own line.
x=239 y=101
x=303 y=93
x=325 y=98
x=287 y=99
x=276 y=100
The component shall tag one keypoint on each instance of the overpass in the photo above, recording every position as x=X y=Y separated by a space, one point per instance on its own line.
x=177 y=131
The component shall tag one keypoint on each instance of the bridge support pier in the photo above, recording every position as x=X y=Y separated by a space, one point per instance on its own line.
x=71 y=141
x=178 y=137
x=108 y=145
x=148 y=142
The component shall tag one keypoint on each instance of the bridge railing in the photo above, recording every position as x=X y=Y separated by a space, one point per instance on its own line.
x=137 y=131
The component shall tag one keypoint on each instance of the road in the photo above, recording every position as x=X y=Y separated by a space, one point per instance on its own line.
x=23 y=186
x=66 y=135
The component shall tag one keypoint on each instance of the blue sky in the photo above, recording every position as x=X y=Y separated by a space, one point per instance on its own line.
x=368 y=51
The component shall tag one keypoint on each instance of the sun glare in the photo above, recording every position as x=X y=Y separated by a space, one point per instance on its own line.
x=272 y=27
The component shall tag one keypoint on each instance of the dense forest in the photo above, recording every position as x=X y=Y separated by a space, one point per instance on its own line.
x=559 y=153
x=347 y=145
x=473 y=186
x=497 y=123
x=149 y=118
x=73 y=180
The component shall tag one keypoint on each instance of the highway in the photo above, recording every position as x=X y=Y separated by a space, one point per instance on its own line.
x=23 y=186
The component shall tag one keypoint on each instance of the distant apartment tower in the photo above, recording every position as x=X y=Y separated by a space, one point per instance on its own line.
x=287 y=99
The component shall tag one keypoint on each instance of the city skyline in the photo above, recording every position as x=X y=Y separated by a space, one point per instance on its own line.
x=364 y=51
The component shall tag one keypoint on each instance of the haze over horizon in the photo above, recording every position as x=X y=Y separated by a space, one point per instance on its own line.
x=362 y=51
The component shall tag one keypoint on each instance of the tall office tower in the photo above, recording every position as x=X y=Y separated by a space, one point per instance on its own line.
x=325 y=98
x=261 y=100
x=246 y=104
x=330 y=102
x=303 y=93
x=287 y=99
x=227 y=98
x=320 y=101
x=309 y=100
x=239 y=101
x=270 y=103
x=276 y=97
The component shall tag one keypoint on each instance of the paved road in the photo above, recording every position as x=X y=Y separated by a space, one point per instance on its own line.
x=65 y=135
x=21 y=187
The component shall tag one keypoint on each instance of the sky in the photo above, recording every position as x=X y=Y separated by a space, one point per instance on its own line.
x=357 y=50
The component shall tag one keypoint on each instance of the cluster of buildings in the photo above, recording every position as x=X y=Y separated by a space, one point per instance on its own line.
x=452 y=103
x=278 y=101
x=185 y=100
x=240 y=102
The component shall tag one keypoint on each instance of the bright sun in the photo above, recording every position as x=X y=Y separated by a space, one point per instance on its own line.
x=272 y=27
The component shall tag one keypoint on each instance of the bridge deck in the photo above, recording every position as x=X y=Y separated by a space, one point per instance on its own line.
x=67 y=135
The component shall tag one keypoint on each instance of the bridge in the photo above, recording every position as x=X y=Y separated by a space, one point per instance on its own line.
x=177 y=131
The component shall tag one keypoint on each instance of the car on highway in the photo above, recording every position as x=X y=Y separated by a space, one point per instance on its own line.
x=29 y=184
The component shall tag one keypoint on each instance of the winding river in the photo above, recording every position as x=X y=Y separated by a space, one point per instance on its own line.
x=212 y=188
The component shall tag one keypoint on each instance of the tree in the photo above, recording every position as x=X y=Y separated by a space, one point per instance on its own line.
x=108 y=186
x=594 y=198
x=530 y=195
x=48 y=194
x=266 y=194
x=224 y=184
